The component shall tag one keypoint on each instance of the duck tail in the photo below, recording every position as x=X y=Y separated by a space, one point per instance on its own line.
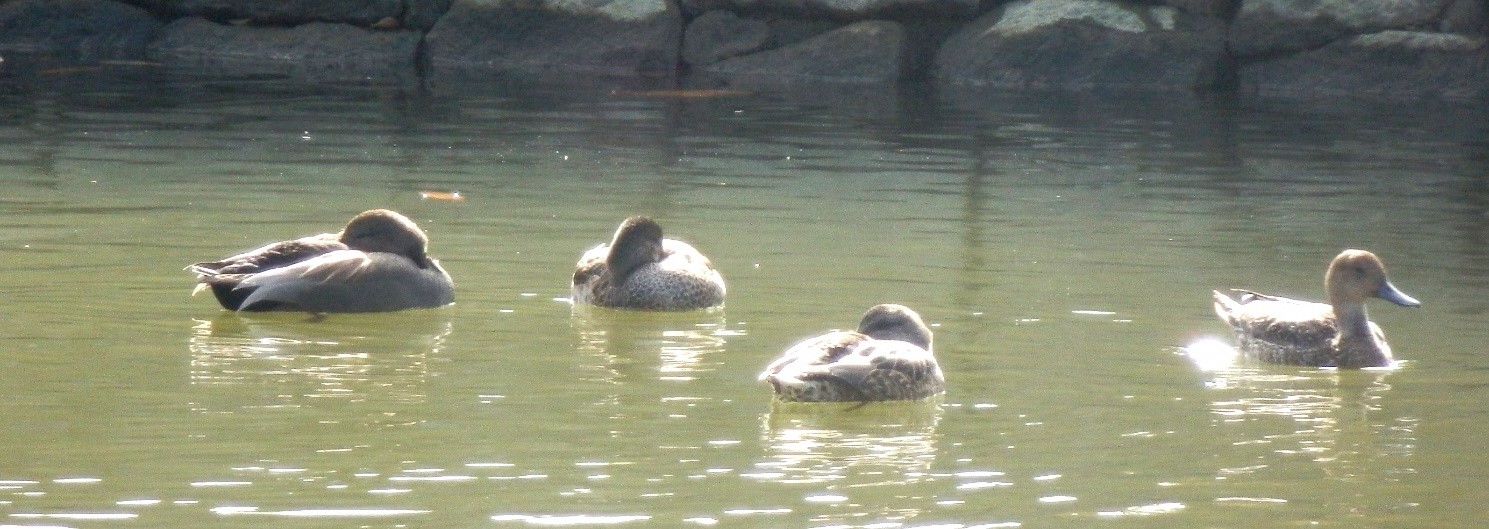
x=1225 y=307
x=204 y=269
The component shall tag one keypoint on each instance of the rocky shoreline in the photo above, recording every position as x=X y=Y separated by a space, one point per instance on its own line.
x=1393 y=48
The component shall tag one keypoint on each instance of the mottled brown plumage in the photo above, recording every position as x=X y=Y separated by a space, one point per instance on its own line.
x=888 y=358
x=639 y=269
x=1337 y=334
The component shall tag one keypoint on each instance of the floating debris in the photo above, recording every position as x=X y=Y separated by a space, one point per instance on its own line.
x=442 y=196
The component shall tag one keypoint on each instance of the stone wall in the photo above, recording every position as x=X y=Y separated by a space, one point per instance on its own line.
x=1298 y=47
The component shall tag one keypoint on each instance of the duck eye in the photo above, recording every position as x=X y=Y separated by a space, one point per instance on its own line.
x=1359 y=270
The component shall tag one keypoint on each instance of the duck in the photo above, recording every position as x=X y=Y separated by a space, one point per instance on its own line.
x=1334 y=334
x=639 y=269
x=888 y=358
x=379 y=262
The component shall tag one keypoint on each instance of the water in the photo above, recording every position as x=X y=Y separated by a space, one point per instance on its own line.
x=1063 y=249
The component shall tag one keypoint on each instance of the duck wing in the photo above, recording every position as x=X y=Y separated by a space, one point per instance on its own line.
x=815 y=351
x=884 y=370
x=1248 y=306
x=1275 y=326
x=348 y=281
x=271 y=256
x=679 y=254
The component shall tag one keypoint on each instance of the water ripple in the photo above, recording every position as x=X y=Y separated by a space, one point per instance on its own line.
x=572 y=520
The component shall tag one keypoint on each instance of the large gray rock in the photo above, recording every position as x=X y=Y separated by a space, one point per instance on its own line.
x=316 y=51
x=1085 y=45
x=423 y=14
x=719 y=35
x=864 y=52
x=1465 y=16
x=1269 y=27
x=1388 y=63
x=606 y=36
x=279 y=12
x=841 y=9
x=76 y=30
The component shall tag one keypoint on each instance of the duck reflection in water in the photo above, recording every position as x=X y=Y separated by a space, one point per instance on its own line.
x=283 y=360
x=622 y=346
x=1336 y=334
x=1340 y=420
x=878 y=445
x=1267 y=415
x=378 y=263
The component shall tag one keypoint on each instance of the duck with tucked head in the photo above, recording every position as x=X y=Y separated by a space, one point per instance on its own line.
x=639 y=269
x=887 y=358
x=1336 y=334
x=377 y=263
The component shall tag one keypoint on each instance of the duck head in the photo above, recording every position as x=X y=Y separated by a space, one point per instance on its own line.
x=895 y=322
x=637 y=242
x=1357 y=275
x=381 y=230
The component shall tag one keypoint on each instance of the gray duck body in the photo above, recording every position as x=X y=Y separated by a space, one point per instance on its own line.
x=377 y=263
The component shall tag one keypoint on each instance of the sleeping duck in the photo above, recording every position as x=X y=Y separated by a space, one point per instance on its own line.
x=1336 y=334
x=887 y=358
x=377 y=263
x=639 y=269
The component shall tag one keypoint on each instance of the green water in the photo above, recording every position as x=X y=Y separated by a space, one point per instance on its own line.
x=1063 y=250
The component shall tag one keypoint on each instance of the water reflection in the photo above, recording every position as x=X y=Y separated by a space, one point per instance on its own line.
x=846 y=450
x=354 y=357
x=1334 y=419
x=619 y=346
x=876 y=444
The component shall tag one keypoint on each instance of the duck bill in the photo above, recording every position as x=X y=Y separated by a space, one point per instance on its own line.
x=1390 y=293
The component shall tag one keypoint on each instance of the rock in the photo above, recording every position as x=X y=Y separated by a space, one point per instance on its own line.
x=361 y=13
x=423 y=14
x=863 y=52
x=1085 y=45
x=719 y=35
x=788 y=30
x=1223 y=9
x=607 y=36
x=1388 y=63
x=1270 y=27
x=315 y=51
x=1466 y=16
x=77 y=30
x=841 y=9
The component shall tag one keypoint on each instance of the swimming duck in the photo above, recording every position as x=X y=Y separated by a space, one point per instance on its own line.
x=887 y=358
x=1336 y=334
x=377 y=263
x=639 y=269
